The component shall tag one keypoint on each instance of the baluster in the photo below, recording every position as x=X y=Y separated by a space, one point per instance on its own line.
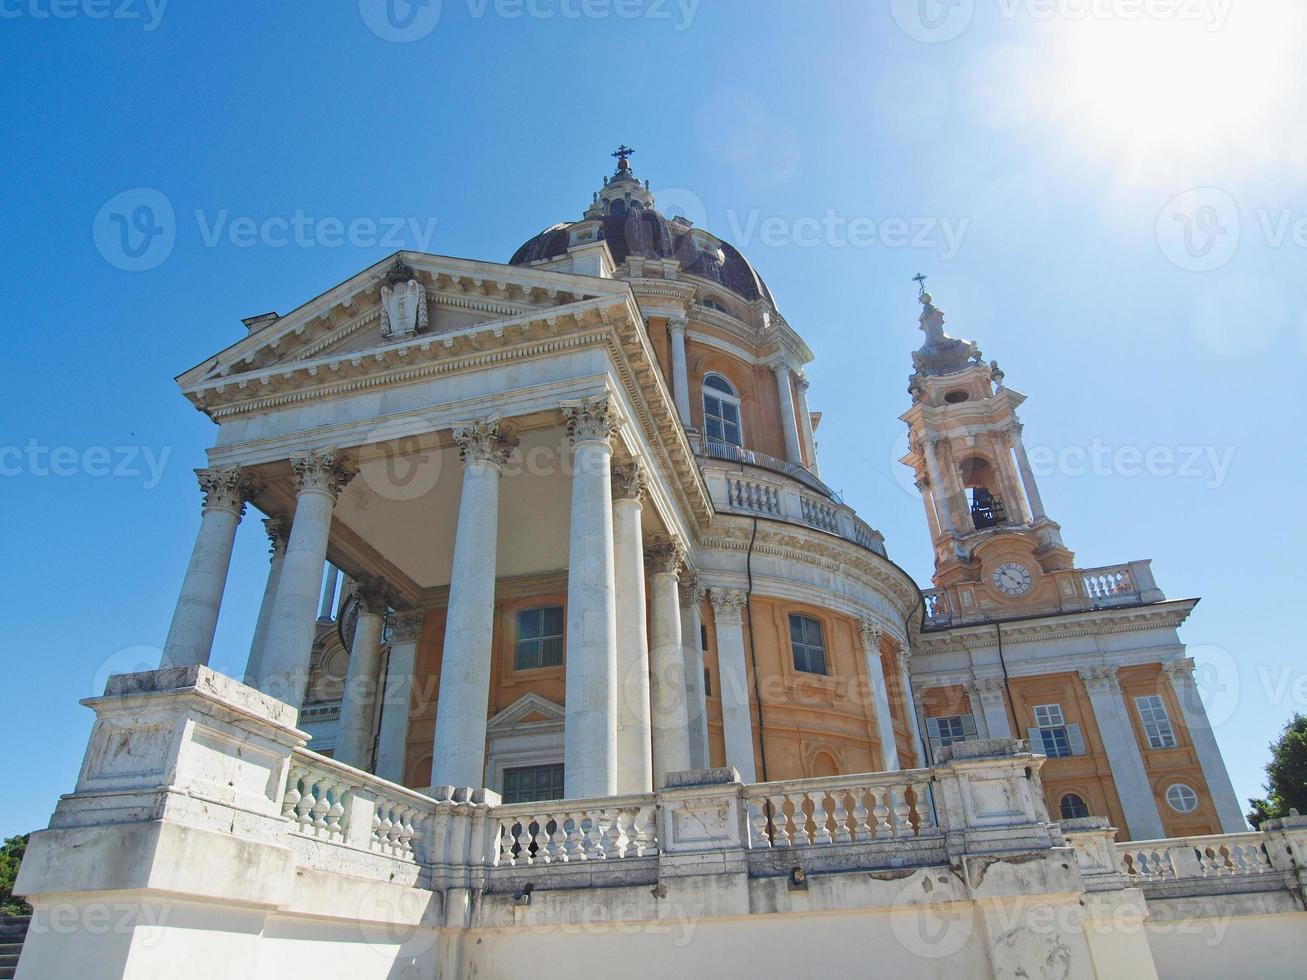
x=506 y=842
x=780 y=821
x=407 y=832
x=307 y=801
x=925 y=815
x=841 y=817
x=881 y=811
x=522 y=840
x=575 y=836
x=594 y=836
x=821 y=829
x=902 y=814
x=639 y=841
x=757 y=810
x=321 y=804
x=613 y=840
x=292 y=796
x=861 y=831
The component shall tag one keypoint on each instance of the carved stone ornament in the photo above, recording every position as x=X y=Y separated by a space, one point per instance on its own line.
x=1180 y=670
x=406 y=626
x=1100 y=680
x=692 y=590
x=323 y=470
x=278 y=529
x=374 y=596
x=728 y=604
x=403 y=304
x=871 y=634
x=225 y=488
x=677 y=324
x=664 y=556
x=590 y=420
x=487 y=440
x=987 y=690
x=629 y=481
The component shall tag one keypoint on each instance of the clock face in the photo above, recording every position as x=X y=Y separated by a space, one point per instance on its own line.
x=1012 y=578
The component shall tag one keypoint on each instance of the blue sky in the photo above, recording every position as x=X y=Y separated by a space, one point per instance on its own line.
x=1112 y=205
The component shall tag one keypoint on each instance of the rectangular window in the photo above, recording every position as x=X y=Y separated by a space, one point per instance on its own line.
x=539 y=638
x=528 y=784
x=703 y=638
x=707 y=683
x=948 y=729
x=808 y=643
x=1052 y=736
x=1157 y=726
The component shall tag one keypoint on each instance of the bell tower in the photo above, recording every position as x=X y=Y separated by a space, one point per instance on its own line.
x=986 y=517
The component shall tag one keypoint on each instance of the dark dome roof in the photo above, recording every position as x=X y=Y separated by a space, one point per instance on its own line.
x=641 y=231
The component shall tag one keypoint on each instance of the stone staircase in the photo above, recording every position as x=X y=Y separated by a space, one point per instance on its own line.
x=13 y=929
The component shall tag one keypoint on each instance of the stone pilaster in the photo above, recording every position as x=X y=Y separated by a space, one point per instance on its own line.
x=278 y=530
x=671 y=733
x=789 y=415
x=1180 y=672
x=680 y=374
x=358 y=707
x=737 y=721
x=696 y=703
x=634 y=740
x=871 y=634
x=392 y=739
x=1123 y=755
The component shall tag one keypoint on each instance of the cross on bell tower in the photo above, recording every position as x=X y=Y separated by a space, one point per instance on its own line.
x=622 y=153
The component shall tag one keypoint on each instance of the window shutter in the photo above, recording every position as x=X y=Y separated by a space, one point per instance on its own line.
x=932 y=733
x=1076 y=740
x=1036 y=740
x=969 y=726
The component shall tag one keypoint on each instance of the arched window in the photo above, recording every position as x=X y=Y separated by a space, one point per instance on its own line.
x=981 y=482
x=617 y=208
x=712 y=304
x=721 y=411
x=1073 y=807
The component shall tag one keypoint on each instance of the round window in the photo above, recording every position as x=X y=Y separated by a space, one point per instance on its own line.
x=953 y=397
x=1182 y=798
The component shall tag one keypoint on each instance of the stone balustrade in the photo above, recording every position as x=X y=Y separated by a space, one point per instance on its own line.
x=581 y=830
x=841 y=810
x=1210 y=856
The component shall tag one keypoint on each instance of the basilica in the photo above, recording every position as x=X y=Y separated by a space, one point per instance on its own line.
x=568 y=654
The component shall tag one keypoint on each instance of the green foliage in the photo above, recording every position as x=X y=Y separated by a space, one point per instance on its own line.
x=1286 y=775
x=11 y=855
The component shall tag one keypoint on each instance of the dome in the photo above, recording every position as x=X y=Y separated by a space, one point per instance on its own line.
x=624 y=216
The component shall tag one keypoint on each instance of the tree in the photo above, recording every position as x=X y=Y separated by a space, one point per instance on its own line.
x=1286 y=775
x=11 y=856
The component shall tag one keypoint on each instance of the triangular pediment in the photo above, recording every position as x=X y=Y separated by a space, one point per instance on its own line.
x=358 y=316
x=529 y=709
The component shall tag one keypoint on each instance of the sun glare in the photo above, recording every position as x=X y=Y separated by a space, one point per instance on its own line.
x=1180 y=82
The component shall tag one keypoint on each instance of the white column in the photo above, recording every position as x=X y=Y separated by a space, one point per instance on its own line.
x=285 y=674
x=327 y=607
x=590 y=723
x=1027 y=474
x=923 y=488
x=1123 y=755
x=358 y=706
x=671 y=727
x=910 y=702
x=680 y=373
x=634 y=738
x=1228 y=810
x=278 y=533
x=733 y=680
x=459 y=750
x=889 y=750
x=805 y=424
x=789 y=423
x=696 y=702
x=989 y=706
x=392 y=740
x=938 y=489
x=195 y=618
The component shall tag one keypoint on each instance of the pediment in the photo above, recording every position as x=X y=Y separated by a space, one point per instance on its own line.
x=358 y=317
x=526 y=710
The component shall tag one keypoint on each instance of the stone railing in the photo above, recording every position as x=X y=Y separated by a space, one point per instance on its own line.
x=1111 y=585
x=560 y=832
x=756 y=493
x=1179 y=858
x=734 y=454
x=841 y=810
x=938 y=610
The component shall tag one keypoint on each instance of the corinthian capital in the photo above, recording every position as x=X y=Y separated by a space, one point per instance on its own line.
x=406 y=626
x=590 y=420
x=487 y=440
x=278 y=529
x=1101 y=680
x=322 y=471
x=374 y=596
x=986 y=691
x=728 y=604
x=629 y=481
x=1180 y=671
x=692 y=591
x=225 y=488
x=677 y=324
x=871 y=632
x=664 y=556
